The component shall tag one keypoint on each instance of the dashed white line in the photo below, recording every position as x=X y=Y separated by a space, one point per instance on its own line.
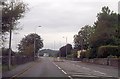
x=99 y=72
x=86 y=68
x=59 y=68
x=70 y=77
x=78 y=66
x=64 y=72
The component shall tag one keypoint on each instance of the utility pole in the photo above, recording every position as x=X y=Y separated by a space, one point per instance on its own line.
x=10 y=28
x=35 y=42
x=9 y=58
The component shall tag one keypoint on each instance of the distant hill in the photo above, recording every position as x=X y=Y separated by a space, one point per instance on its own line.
x=49 y=51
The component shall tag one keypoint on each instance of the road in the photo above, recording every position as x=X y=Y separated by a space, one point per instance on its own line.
x=44 y=67
x=47 y=67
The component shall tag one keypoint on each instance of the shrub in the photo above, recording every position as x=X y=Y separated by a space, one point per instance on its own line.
x=85 y=54
x=105 y=51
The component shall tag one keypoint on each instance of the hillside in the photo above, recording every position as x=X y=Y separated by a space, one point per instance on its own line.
x=49 y=51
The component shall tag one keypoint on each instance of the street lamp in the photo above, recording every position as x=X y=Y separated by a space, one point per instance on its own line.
x=66 y=46
x=35 y=42
x=9 y=58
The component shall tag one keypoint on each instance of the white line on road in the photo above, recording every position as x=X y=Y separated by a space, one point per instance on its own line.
x=99 y=72
x=62 y=70
x=70 y=77
x=86 y=68
x=78 y=66
x=59 y=68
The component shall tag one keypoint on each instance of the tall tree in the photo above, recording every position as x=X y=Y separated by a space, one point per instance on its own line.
x=67 y=48
x=26 y=46
x=105 y=30
x=11 y=13
x=81 y=41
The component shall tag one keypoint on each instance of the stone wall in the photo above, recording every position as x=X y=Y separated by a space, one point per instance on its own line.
x=103 y=61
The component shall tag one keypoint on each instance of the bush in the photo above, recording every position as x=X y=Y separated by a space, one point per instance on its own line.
x=74 y=53
x=105 y=51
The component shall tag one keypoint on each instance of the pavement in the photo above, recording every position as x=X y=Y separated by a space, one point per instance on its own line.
x=48 y=67
x=17 y=70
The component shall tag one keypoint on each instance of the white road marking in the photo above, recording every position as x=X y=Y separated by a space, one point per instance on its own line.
x=86 y=68
x=70 y=77
x=64 y=72
x=78 y=66
x=75 y=75
x=59 y=68
x=100 y=72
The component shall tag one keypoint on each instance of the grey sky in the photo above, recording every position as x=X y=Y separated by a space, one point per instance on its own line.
x=60 y=18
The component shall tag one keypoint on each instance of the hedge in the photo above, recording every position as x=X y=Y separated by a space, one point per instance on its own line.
x=105 y=51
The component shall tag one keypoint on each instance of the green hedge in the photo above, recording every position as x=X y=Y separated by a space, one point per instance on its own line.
x=105 y=51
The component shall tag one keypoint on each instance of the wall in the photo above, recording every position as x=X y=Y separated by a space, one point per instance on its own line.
x=104 y=61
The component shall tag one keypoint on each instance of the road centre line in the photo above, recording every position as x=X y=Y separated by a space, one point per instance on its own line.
x=62 y=70
x=70 y=77
x=86 y=68
x=59 y=68
x=100 y=72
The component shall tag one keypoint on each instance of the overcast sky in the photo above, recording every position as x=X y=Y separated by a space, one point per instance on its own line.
x=59 y=18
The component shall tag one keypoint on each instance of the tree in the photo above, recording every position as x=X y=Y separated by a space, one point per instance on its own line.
x=62 y=50
x=5 y=52
x=26 y=46
x=105 y=30
x=11 y=13
x=81 y=40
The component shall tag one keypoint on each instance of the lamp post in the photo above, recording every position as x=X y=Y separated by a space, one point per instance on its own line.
x=9 y=55
x=35 y=42
x=66 y=46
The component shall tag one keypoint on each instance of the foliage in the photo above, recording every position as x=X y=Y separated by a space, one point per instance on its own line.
x=105 y=51
x=5 y=52
x=81 y=40
x=26 y=46
x=84 y=54
x=62 y=50
x=74 y=53
x=105 y=33
x=11 y=13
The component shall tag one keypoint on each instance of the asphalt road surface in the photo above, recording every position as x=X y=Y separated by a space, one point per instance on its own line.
x=49 y=68
x=43 y=68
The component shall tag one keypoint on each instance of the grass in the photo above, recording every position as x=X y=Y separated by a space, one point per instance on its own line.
x=4 y=68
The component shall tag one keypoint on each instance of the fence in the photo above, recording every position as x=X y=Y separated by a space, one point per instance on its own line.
x=16 y=60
